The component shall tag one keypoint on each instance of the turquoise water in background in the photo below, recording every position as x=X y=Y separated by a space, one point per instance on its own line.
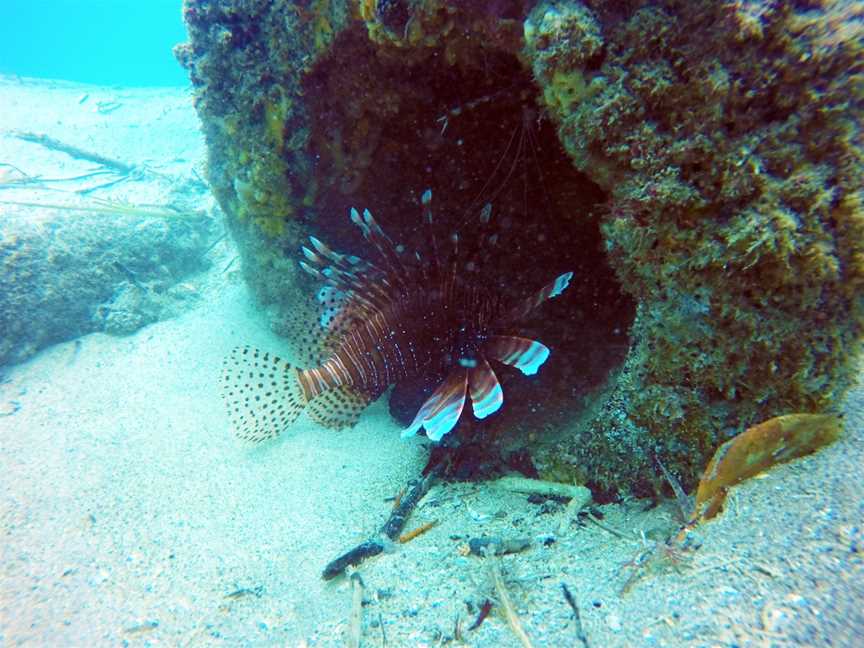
x=108 y=42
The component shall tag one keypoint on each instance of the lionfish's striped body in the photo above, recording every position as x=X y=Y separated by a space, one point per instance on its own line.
x=400 y=317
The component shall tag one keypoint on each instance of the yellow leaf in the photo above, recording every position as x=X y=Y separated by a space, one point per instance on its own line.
x=762 y=446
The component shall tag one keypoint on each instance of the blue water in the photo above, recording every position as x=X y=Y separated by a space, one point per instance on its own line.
x=111 y=42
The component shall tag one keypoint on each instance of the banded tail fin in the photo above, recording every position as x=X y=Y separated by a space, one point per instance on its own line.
x=338 y=408
x=262 y=392
x=524 y=354
x=550 y=290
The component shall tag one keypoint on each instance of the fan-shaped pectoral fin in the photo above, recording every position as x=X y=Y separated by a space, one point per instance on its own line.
x=441 y=411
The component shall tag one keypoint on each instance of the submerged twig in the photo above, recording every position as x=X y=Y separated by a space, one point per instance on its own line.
x=230 y=263
x=685 y=503
x=509 y=611
x=609 y=529
x=104 y=185
x=353 y=556
x=570 y=513
x=15 y=168
x=8 y=181
x=356 y=611
x=213 y=245
x=246 y=591
x=147 y=626
x=396 y=522
x=74 y=151
x=580 y=632
x=42 y=182
x=410 y=535
x=390 y=531
x=106 y=207
x=542 y=487
x=383 y=632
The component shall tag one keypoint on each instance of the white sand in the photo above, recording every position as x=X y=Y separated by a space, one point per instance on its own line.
x=151 y=127
x=119 y=471
x=128 y=512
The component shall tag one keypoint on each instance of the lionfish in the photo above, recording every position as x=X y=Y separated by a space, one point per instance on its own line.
x=399 y=317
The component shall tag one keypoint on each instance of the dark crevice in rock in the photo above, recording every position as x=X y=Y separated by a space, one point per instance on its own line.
x=383 y=131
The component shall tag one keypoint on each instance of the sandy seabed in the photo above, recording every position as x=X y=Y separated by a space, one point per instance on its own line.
x=129 y=515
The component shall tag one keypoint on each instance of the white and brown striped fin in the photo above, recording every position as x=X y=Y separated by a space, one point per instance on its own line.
x=339 y=312
x=262 y=392
x=550 y=290
x=486 y=393
x=524 y=354
x=441 y=411
x=338 y=408
x=383 y=244
x=369 y=287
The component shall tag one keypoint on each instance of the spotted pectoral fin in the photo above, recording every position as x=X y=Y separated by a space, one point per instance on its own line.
x=441 y=411
x=262 y=393
x=522 y=353
x=338 y=408
x=486 y=394
x=303 y=325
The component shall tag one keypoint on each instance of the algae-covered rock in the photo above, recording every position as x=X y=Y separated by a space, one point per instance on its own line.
x=66 y=275
x=709 y=153
x=728 y=137
x=247 y=60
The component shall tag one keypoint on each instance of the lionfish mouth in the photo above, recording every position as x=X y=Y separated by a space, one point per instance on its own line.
x=388 y=319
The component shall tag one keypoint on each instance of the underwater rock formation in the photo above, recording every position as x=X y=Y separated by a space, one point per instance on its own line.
x=75 y=275
x=728 y=137
x=696 y=164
